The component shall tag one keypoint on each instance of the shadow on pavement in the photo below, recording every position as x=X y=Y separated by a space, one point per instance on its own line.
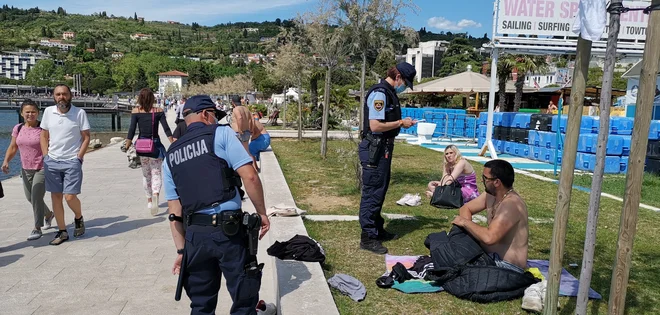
x=290 y=275
x=8 y=260
x=93 y=227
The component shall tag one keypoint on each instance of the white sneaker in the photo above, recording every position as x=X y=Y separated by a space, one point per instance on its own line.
x=534 y=295
x=402 y=201
x=266 y=308
x=414 y=201
x=154 y=205
x=36 y=234
x=48 y=222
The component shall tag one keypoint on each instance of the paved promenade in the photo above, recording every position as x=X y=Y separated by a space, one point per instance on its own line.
x=122 y=265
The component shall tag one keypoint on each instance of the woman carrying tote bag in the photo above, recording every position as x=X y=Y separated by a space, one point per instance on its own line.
x=456 y=169
x=148 y=145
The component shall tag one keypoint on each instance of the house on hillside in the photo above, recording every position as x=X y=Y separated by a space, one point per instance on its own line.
x=91 y=50
x=251 y=29
x=139 y=36
x=171 y=82
x=256 y=58
x=68 y=35
x=117 y=55
x=55 y=43
x=140 y=19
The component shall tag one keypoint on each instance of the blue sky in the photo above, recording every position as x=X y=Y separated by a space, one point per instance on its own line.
x=472 y=16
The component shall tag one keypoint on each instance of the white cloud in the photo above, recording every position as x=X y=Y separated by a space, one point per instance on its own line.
x=162 y=10
x=444 y=24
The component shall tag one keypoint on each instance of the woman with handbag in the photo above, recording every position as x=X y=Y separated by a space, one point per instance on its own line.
x=457 y=169
x=148 y=145
x=26 y=139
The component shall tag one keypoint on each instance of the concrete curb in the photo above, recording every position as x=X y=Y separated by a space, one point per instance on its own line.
x=301 y=286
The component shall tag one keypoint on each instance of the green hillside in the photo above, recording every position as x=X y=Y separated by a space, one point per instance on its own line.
x=19 y=27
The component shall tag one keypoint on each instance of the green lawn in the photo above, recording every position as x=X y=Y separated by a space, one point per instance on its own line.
x=328 y=187
x=616 y=185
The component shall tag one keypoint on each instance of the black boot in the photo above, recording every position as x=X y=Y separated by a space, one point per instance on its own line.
x=371 y=244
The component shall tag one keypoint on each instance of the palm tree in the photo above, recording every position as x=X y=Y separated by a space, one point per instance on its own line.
x=504 y=67
x=525 y=64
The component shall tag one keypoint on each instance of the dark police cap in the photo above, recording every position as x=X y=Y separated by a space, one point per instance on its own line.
x=236 y=99
x=407 y=72
x=198 y=103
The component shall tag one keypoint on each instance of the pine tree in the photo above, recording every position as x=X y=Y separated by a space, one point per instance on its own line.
x=135 y=16
x=43 y=31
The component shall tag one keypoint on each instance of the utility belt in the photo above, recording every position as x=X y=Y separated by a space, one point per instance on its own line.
x=378 y=147
x=232 y=223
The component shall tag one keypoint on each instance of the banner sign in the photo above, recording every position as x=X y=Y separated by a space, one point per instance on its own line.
x=633 y=88
x=556 y=18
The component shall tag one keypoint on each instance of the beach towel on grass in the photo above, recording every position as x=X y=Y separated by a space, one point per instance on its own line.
x=568 y=283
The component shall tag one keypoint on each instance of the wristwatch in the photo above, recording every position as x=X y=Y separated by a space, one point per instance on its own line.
x=180 y=251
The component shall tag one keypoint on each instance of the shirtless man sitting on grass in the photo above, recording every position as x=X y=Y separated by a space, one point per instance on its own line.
x=506 y=236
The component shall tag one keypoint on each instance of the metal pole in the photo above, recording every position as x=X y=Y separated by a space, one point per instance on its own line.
x=601 y=152
x=488 y=146
x=566 y=176
x=631 y=196
x=559 y=109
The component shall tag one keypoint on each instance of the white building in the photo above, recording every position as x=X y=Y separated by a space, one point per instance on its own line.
x=426 y=58
x=171 y=82
x=55 y=43
x=15 y=65
x=117 y=55
x=292 y=94
x=68 y=35
x=139 y=36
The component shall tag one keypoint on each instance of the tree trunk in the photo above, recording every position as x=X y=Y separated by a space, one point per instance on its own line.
x=566 y=177
x=634 y=178
x=362 y=79
x=517 y=101
x=502 y=94
x=314 y=91
x=601 y=151
x=284 y=109
x=299 y=117
x=326 y=112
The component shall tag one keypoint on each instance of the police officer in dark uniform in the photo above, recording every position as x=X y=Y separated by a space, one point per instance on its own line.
x=382 y=122
x=202 y=172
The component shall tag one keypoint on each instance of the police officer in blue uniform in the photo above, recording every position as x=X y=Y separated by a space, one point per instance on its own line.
x=382 y=122
x=202 y=173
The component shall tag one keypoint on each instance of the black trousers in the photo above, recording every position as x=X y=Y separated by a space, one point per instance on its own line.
x=212 y=254
x=375 y=182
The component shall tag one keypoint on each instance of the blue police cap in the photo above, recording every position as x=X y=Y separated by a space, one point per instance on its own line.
x=198 y=103
x=407 y=72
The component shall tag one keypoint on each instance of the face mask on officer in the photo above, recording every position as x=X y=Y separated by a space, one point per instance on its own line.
x=210 y=117
x=400 y=88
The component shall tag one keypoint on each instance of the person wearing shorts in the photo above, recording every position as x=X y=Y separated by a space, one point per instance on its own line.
x=64 y=141
x=260 y=139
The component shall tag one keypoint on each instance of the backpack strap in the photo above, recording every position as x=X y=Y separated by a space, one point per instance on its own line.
x=20 y=126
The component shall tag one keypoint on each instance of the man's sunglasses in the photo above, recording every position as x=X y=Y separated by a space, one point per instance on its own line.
x=484 y=178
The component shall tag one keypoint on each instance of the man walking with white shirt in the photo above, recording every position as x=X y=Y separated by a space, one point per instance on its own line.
x=64 y=142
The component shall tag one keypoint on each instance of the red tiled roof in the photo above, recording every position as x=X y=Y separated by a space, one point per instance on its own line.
x=174 y=73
